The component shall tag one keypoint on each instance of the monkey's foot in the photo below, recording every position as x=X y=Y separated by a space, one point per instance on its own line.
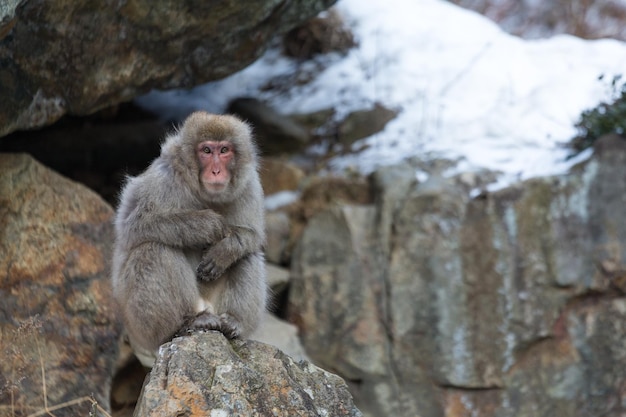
x=205 y=321
x=231 y=326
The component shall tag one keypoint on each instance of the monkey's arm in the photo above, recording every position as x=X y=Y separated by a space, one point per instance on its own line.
x=182 y=229
x=238 y=243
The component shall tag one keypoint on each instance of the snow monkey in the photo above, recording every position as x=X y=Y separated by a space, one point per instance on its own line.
x=189 y=237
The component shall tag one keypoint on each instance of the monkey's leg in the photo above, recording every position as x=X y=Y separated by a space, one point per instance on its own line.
x=157 y=290
x=243 y=297
x=207 y=321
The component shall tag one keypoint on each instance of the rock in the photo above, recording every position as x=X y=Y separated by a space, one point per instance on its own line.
x=127 y=381
x=76 y=57
x=320 y=193
x=7 y=14
x=204 y=374
x=277 y=277
x=364 y=123
x=596 y=331
x=280 y=334
x=58 y=325
x=435 y=303
x=275 y=133
x=314 y=121
x=332 y=247
x=339 y=302
x=278 y=230
x=279 y=175
x=281 y=181
x=320 y=35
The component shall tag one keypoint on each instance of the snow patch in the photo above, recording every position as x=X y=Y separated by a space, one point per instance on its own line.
x=465 y=90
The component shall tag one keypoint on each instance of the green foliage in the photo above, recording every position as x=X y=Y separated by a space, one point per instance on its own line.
x=604 y=119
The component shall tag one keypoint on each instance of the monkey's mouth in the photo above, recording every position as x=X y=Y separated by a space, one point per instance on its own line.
x=215 y=186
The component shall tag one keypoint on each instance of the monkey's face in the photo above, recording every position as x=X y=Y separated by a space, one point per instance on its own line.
x=216 y=159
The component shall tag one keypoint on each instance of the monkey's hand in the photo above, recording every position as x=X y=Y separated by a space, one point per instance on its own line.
x=209 y=269
x=238 y=243
x=217 y=258
x=213 y=264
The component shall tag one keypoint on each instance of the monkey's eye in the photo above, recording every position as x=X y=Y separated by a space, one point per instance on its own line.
x=206 y=149
x=224 y=149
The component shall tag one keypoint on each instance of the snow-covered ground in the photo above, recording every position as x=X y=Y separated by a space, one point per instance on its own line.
x=464 y=88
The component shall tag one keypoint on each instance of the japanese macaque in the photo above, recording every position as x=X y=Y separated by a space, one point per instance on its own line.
x=190 y=232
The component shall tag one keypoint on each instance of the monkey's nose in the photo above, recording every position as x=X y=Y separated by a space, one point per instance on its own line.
x=215 y=171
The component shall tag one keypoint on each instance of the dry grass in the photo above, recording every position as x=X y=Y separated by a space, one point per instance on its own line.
x=24 y=349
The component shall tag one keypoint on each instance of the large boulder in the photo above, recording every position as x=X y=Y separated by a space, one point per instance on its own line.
x=204 y=374
x=58 y=328
x=78 y=56
x=434 y=303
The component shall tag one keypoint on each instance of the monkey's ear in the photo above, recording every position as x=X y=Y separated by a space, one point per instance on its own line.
x=172 y=144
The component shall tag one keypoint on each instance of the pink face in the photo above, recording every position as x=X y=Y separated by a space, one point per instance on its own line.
x=214 y=158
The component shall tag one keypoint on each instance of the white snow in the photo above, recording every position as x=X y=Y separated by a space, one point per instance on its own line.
x=464 y=88
x=280 y=199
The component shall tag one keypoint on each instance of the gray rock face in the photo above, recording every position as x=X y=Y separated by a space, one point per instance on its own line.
x=510 y=304
x=204 y=375
x=76 y=57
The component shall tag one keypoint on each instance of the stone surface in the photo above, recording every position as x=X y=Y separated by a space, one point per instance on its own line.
x=205 y=375
x=7 y=13
x=58 y=331
x=279 y=175
x=280 y=334
x=277 y=277
x=433 y=303
x=320 y=35
x=59 y=57
x=318 y=194
x=278 y=231
x=339 y=302
x=130 y=374
x=275 y=133
x=325 y=191
x=364 y=123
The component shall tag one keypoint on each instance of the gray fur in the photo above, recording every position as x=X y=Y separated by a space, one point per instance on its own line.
x=177 y=243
